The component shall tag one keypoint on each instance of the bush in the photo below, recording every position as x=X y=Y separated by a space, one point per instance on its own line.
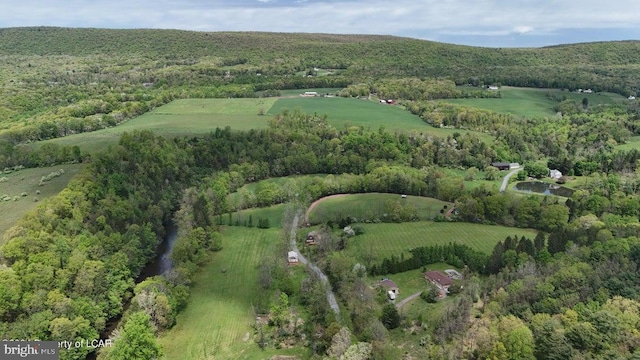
x=359 y=230
x=3 y=179
x=23 y=194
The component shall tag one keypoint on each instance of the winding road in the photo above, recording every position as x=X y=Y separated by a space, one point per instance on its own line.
x=505 y=181
x=331 y=298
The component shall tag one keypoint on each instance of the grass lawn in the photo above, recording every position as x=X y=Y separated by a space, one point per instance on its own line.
x=27 y=180
x=386 y=239
x=633 y=143
x=530 y=102
x=217 y=322
x=370 y=206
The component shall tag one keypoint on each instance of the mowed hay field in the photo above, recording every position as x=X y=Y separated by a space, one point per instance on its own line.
x=386 y=239
x=370 y=206
x=217 y=322
x=27 y=181
x=529 y=102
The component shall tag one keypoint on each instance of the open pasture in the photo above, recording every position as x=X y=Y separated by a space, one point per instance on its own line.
x=530 y=102
x=218 y=320
x=386 y=239
x=27 y=181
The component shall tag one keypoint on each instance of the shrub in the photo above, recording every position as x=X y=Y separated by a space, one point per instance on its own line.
x=35 y=199
x=3 y=179
x=23 y=194
x=37 y=192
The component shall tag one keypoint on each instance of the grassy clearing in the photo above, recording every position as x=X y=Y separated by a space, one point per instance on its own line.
x=531 y=102
x=27 y=181
x=236 y=197
x=386 y=239
x=218 y=320
x=370 y=206
x=632 y=143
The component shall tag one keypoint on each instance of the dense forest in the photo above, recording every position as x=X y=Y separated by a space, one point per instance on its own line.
x=68 y=267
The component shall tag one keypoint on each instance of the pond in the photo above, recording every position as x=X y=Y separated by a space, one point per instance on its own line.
x=543 y=188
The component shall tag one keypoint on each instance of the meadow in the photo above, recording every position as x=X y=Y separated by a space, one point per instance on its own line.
x=370 y=206
x=218 y=320
x=530 y=102
x=27 y=181
x=386 y=239
x=274 y=213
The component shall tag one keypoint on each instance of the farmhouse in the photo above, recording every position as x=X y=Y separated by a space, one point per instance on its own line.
x=312 y=238
x=501 y=165
x=555 y=174
x=439 y=279
x=309 y=93
x=493 y=87
x=292 y=258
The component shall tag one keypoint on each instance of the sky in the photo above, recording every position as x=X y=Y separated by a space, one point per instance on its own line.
x=491 y=23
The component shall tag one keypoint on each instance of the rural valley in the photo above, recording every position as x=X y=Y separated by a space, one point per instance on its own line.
x=189 y=195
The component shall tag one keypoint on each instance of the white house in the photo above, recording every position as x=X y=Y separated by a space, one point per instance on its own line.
x=555 y=174
x=292 y=257
x=309 y=93
x=493 y=87
x=631 y=97
x=588 y=91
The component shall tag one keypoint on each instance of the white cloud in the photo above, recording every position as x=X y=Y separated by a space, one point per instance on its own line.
x=414 y=18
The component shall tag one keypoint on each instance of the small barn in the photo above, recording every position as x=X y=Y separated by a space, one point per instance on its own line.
x=292 y=258
x=312 y=238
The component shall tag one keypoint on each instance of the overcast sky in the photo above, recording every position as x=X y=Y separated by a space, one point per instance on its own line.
x=495 y=23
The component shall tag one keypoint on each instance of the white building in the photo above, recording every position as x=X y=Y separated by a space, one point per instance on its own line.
x=555 y=174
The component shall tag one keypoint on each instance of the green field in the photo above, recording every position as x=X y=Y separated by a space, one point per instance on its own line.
x=217 y=322
x=27 y=180
x=386 y=239
x=370 y=206
x=531 y=102
x=274 y=213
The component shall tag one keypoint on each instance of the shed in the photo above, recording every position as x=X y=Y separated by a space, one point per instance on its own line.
x=391 y=295
x=292 y=258
x=501 y=165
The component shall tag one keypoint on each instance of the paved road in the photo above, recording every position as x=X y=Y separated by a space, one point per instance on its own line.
x=409 y=298
x=331 y=298
x=505 y=181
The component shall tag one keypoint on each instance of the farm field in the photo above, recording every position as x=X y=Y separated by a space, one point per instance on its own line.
x=27 y=181
x=386 y=239
x=217 y=322
x=370 y=206
x=188 y=117
x=529 y=102
x=193 y=117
